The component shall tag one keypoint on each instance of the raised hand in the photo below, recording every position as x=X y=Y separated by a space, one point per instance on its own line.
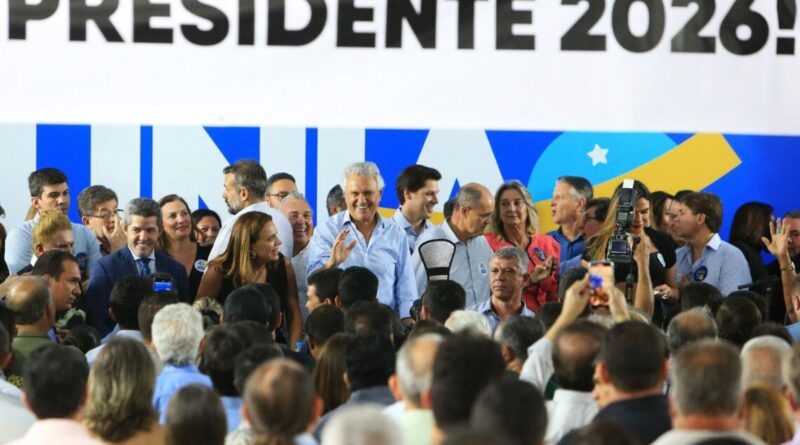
x=116 y=238
x=541 y=271
x=779 y=244
x=340 y=251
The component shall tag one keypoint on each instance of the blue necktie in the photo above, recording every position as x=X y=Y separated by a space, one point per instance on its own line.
x=144 y=268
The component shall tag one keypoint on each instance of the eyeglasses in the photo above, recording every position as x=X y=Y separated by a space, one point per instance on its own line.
x=280 y=195
x=106 y=216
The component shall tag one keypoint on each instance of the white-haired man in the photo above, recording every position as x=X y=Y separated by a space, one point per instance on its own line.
x=177 y=332
x=362 y=237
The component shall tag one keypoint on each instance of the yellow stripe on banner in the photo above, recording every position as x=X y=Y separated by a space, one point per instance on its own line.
x=695 y=164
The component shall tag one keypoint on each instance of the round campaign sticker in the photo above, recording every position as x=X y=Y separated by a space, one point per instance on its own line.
x=200 y=265
x=82 y=260
x=539 y=253
x=482 y=268
x=701 y=273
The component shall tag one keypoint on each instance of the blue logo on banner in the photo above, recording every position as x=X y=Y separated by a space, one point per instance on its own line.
x=539 y=253
x=701 y=274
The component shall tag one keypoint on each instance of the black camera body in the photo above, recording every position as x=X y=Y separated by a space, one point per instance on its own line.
x=619 y=250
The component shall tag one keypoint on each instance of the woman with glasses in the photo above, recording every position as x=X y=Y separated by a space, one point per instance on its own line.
x=515 y=223
x=179 y=241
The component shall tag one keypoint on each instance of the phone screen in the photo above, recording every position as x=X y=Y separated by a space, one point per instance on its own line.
x=601 y=275
x=161 y=286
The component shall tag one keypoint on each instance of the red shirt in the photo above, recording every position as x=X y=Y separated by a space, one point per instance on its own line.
x=539 y=249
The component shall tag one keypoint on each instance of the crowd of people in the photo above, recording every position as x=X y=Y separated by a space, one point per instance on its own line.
x=156 y=324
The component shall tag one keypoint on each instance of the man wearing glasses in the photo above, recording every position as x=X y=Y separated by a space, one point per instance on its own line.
x=97 y=206
x=279 y=186
x=49 y=190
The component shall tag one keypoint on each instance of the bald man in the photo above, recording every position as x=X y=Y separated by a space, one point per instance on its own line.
x=470 y=267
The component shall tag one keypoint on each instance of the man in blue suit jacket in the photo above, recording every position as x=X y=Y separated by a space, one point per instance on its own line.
x=142 y=227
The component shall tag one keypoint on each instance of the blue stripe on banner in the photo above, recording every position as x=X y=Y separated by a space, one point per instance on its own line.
x=311 y=171
x=236 y=142
x=67 y=148
x=392 y=151
x=146 y=161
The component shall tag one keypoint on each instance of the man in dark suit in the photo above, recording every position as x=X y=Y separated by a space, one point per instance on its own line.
x=142 y=226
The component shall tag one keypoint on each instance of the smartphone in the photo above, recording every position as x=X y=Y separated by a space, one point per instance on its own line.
x=162 y=282
x=601 y=275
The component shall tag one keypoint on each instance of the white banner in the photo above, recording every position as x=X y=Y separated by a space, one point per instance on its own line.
x=620 y=65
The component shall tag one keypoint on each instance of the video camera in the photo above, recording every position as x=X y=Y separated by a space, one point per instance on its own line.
x=619 y=250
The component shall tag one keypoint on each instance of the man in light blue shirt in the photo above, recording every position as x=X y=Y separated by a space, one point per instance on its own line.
x=49 y=190
x=361 y=237
x=508 y=274
x=418 y=193
x=470 y=265
x=570 y=196
x=705 y=257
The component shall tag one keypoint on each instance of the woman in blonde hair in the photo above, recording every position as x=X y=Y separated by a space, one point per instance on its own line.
x=767 y=415
x=252 y=256
x=655 y=250
x=515 y=223
x=120 y=409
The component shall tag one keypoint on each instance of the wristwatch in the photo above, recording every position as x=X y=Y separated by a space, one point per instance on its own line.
x=788 y=268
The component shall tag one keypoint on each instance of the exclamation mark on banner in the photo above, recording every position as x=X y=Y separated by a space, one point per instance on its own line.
x=787 y=13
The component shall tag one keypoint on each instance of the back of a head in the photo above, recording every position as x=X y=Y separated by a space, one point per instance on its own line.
x=279 y=397
x=29 y=298
x=762 y=360
x=603 y=432
x=273 y=300
x=362 y=425
x=706 y=377
x=442 y=298
x=468 y=322
x=568 y=278
x=326 y=282
x=699 y=294
x=472 y=436
x=791 y=374
x=369 y=360
x=148 y=309
x=195 y=416
x=369 y=317
x=574 y=353
x=246 y=303
x=329 y=371
x=736 y=319
x=692 y=325
x=218 y=361
x=250 y=359
x=126 y=297
x=463 y=366
x=357 y=284
x=121 y=383
x=55 y=381
x=177 y=332
x=323 y=322
x=767 y=415
x=519 y=333
x=634 y=354
x=771 y=328
x=252 y=333
x=514 y=407
x=51 y=263
x=414 y=367
x=759 y=300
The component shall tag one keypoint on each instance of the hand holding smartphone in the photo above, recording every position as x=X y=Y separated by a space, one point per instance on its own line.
x=601 y=278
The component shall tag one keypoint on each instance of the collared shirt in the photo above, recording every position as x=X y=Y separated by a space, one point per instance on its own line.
x=417 y=425
x=376 y=395
x=232 y=406
x=411 y=234
x=63 y=431
x=569 y=249
x=16 y=419
x=395 y=410
x=282 y=225
x=386 y=256
x=151 y=261
x=567 y=411
x=91 y=356
x=645 y=418
x=681 y=437
x=470 y=266
x=8 y=389
x=19 y=250
x=299 y=263
x=487 y=310
x=722 y=265
x=170 y=380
